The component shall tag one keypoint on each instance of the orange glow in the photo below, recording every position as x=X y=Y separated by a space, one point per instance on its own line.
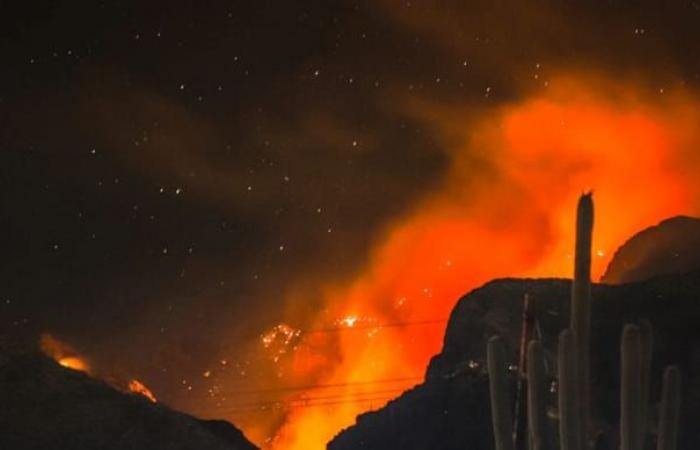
x=505 y=208
x=349 y=321
x=137 y=387
x=75 y=363
x=65 y=355
x=62 y=353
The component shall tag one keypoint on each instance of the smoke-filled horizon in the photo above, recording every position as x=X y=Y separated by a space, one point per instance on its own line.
x=234 y=201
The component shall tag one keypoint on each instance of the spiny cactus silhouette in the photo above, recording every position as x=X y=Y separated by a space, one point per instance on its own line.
x=574 y=399
x=580 y=318
x=569 y=411
x=538 y=425
x=647 y=344
x=670 y=409
x=631 y=390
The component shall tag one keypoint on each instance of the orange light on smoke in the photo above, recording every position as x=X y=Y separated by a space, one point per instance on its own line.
x=506 y=208
x=62 y=353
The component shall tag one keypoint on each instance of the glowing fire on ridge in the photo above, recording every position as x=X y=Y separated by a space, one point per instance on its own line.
x=137 y=387
x=73 y=362
x=67 y=356
x=62 y=353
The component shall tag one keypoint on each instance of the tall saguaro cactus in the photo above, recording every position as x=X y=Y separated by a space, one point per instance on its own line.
x=630 y=394
x=574 y=374
x=647 y=336
x=569 y=411
x=670 y=409
x=580 y=321
x=501 y=415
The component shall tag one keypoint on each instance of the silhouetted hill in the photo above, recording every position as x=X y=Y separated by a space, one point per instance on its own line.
x=44 y=406
x=451 y=411
x=672 y=246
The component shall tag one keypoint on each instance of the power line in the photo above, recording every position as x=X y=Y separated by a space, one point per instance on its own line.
x=319 y=387
x=358 y=326
x=309 y=387
x=345 y=395
x=310 y=403
x=256 y=410
x=267 y=405
x=313 y=401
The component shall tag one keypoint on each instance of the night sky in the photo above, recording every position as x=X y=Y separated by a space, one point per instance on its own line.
x=175 y=172
x=165 y=161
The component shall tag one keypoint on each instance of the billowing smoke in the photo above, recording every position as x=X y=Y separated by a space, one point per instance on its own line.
x=505 y=209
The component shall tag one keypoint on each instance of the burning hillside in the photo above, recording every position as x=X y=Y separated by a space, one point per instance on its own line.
x=449 y=411
x=47 y=406
x=503 y=210
x=67 y=356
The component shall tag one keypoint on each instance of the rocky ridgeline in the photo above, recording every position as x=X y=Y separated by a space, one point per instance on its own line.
x=451 y=410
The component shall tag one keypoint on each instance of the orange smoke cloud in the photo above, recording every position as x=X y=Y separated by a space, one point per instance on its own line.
x=504 y=209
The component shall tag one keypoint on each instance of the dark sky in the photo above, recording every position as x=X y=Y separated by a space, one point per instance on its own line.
x=183 y=157
x=170 y=170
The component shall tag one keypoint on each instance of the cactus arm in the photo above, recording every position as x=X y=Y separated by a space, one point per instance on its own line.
x=630 y=394
x=536 y=398
x=580 y=321
x=647 y=351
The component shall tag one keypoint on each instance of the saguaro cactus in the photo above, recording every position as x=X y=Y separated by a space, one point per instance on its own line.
x=647 y=347
x=538 y=426
x=501 y=415
x=569 y=418
x=574 y=374
x=670 y=409
x=580 y=321
x=630 y=395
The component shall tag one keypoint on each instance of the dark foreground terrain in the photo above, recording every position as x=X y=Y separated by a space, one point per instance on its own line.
x=45 y=406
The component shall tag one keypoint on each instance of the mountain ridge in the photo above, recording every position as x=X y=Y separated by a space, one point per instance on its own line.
x=49 y=407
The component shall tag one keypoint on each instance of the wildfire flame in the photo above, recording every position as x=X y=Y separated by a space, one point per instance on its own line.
x=67 y=356
x=75 y=363
x=349 y=321
x=63 y=353
x=279 y=339
x=137 y=387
